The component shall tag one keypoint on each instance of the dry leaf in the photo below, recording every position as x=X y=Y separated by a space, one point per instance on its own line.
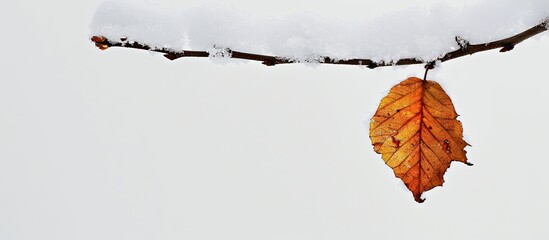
x=416 y=132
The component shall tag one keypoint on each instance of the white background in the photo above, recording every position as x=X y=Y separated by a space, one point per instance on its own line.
x=124 y=145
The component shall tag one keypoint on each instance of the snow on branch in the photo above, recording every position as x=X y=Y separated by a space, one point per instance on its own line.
x=465 y=48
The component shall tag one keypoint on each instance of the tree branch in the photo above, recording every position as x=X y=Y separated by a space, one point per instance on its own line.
x=466 y=48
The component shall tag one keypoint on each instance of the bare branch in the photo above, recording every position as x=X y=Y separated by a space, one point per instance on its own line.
x=466 y=48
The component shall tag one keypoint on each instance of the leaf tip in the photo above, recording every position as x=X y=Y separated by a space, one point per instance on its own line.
x=419 y=199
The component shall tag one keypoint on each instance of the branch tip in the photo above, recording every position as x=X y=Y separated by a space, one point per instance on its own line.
x=98 y=39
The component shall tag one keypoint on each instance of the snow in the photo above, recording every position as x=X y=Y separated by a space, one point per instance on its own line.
x=426 y=32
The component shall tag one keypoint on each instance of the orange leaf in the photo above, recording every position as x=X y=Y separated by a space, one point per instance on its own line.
x=416 y=132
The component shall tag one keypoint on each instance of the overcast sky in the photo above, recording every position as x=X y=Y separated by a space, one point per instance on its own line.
x=122 y=144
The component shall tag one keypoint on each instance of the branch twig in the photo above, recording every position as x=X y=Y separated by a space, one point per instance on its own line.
x=466 y=48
